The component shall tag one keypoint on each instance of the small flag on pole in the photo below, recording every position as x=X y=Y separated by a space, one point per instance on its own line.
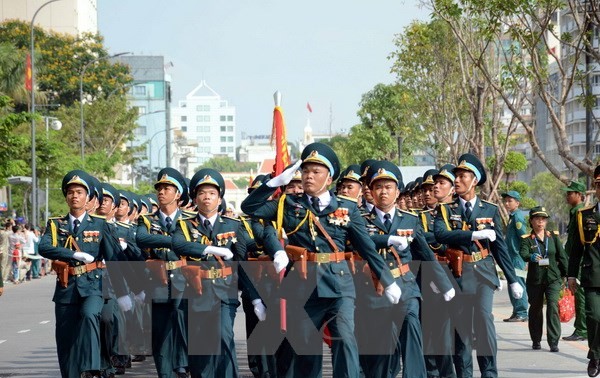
x=28 y=74
x=278 y=135
x=308 y=107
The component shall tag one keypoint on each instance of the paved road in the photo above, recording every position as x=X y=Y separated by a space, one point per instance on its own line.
x=27 y=347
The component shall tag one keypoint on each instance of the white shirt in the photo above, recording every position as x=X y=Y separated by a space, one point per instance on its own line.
x=29 y=242
x=473 y=201
x=72 y=220
x=324 y=200
x=381 y=214
x=212 y=219
x=164 y=216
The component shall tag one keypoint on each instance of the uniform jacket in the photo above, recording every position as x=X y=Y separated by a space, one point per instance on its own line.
x=451 y=227
x=94 y=237
x=342 y=221
x=536 y=274
x=515 y=229
x=585 y=251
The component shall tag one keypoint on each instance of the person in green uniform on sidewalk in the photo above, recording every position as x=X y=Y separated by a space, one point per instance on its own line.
x=547 y=269
x=471 y=229
x=575 y=196
x=514 y=230
x=78 y=243
x=585 y=258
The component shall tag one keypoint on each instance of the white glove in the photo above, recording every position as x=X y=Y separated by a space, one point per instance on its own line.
x=449 y=295
x=499 y=287
x=219 y=251
x=139 y=297
x=400 y=242
x=125 y=303
x=123 y=244
x=517 y=290
x=83 y=257
x=484 y=234
x=284 y=177
x=393 y=293
x=280 y=261
x=259 y=309
x=434 y=287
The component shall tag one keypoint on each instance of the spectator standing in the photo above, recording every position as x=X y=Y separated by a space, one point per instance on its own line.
x=15 y=242
x=5 y=252
x=29 y=249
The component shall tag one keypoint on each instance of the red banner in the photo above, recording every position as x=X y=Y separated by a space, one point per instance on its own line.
x=28 y=74
x=278 y=135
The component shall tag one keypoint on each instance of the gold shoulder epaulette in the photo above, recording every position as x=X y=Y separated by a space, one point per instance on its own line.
x=126 y=225
x=98 y=216
x=525 y=236
x=587 y=208
x=491 y=203
x=235 y=219
x=412 y=212
x=556 y=232
x=347 y=198
x=189 y=213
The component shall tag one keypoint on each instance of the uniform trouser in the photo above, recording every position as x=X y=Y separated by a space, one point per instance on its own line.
x=78 y=336
x=261 y=365
x=338 y=315
x=109 y=329
x=592 y=315
x=438 y=335
x=211 y=344
x=536 y=320
x=580 y=313
x=35 y=268
x=168 y=337
x=397 y=325
x=473 y=312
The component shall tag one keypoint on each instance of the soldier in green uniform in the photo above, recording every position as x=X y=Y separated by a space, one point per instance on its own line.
x=585 y=257
x=399 y=237
x=208 y=241
x=366 y=204
x=547 y=269
x=514 y=230
x=350 y=185
x=318 y=225
x=575 y=196
x=471 y=230
x=78 y=243
x=166 y=284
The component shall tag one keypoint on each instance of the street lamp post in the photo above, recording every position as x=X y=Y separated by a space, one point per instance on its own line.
x=34 y=200
x=56 y=125
x=85 y=67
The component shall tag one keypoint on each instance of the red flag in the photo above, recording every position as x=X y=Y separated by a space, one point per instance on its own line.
x=278 y=135
x=28 y=74
x=308 y=107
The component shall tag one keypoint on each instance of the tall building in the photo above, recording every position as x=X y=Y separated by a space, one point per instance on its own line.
x=208 y=124
x=64 y=16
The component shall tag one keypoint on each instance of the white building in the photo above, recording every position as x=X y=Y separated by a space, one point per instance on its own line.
x=255 y=148
x=208 y=123
x=66 y=16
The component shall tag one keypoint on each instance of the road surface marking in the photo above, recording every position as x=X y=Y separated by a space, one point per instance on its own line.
x=1 y=341
x=24 y=331
x=45 y=321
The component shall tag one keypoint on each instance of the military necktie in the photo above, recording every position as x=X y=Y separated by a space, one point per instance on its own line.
x=168 y=222
x=208 y=226
x=315 y=203
x=387 y=223
x=468 y=210
x=76 y=226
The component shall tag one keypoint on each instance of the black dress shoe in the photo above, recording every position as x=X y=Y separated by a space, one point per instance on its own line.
x=90 y=374
x=593 y=368
x=514 y=319
x=536 y=346
x=553 y=348
x=574 y=337
x=138 y=358
x=181 y=374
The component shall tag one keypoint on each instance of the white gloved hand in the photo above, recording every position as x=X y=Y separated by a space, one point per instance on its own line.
x=83 y=257
x=139 y=297
x=434 y=287
x=400 y=242
x=501 y=286
x=393 y=293
x=123 y=244
x=484 y=234
x=125 y=303
x=280 y=261
x=225 y=253
x=284 y=177
x=517 y=290
x=449 y=295
x=259 y=309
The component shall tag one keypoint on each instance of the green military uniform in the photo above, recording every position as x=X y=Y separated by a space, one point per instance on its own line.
x=473 y=305
x=78 y=305
x=327 y=291
x=514 y=230
x=543 y=281
x=153 y=236
x=580 y=332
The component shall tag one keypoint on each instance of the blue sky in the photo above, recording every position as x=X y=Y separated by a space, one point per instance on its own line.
x=326 y=52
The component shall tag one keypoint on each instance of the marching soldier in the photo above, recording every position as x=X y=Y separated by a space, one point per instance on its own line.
x=547 y=269
x=318 y=225
x=77 y=243
x=166 y=284
x=470 y=228
x=350 y=185
x=366 y=204
x=585 y=256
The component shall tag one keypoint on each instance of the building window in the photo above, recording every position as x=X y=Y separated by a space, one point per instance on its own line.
x=183 y=128
x=139 y=90
x=140 y=131
x=230 y=118
x=203 y=108
x=224 y=149
x=223 y=139
x=183 y=118
x=229 y=149
x=206 y=139
x=140 y=109
x=223 y=128
x=206 y=118
x=222 y=118
x=206 y=129
x=230 y=128
x=230 y=139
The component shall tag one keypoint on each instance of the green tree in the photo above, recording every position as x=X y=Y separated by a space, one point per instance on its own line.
x=545 y=188
x=226 y=164
x=367 y=143
x=14 y=159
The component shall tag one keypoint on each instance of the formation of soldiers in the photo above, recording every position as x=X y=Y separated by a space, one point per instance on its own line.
x=393 y=277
